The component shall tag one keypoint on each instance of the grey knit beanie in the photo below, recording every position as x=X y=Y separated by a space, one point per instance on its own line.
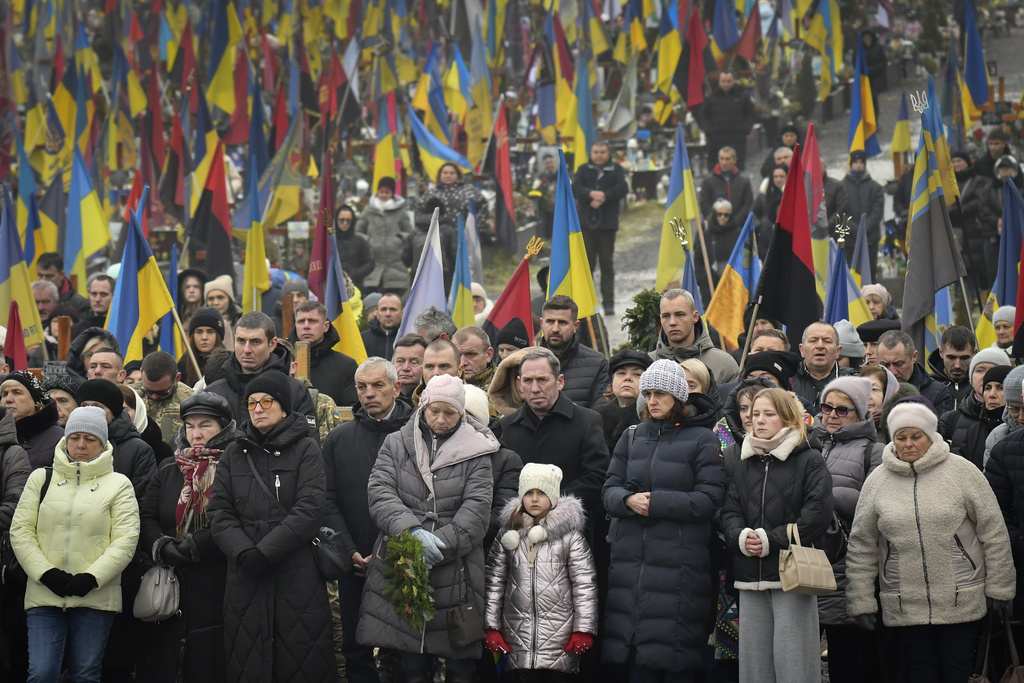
x=87 y=419
x=1004 y=314
x=857 y=388
x=665 y=375
x=1013 y=385
x=989 y=355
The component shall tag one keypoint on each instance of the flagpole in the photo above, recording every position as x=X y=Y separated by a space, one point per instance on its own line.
x=188 y=342
x=750 y=333
x=967 y=306
x=704 y=252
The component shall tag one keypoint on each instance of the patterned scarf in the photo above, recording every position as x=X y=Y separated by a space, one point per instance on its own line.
x=198 y=465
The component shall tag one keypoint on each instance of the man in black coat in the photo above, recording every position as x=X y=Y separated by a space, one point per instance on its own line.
x=819 y=347
x=898 y=354
x=256 y=352
x=998 y=144
x=379 y=339
x=951 y=362
x=584 y=369
x=599 y=186
x=350 y=452
x=330 y=372
x=101 y=294
x=50 y=267
x=864 y=196
x=727 y=117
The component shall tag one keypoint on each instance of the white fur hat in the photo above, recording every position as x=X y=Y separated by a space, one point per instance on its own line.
x=913 y=414
x=546 y=478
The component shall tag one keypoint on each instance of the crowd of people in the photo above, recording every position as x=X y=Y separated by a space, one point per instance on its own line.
x=584 y=517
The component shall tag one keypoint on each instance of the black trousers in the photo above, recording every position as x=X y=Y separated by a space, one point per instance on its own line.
x=940 y=654
x=359 y=664
x=852 y=654
x=600 y=246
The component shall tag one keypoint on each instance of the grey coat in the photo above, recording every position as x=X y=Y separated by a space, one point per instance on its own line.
x=718 y=361
x=851 y=454
x=539 y=594
x=14 y=469
x=386 y=230
x=444 y=486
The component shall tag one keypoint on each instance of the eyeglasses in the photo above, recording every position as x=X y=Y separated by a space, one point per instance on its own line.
x=264 y=403
x=841 y=411
x=722 y=215
x=344 y=220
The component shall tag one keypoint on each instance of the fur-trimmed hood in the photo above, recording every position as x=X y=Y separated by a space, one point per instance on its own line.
x=564 y=518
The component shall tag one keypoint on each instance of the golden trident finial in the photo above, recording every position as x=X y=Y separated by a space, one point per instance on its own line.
x=843 y=228
x=680 y=232
x=328 y=219
x=534 y=246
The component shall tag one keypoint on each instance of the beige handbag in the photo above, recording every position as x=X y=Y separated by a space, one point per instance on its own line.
x=803 y=569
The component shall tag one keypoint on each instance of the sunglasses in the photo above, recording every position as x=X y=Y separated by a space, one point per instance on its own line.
x=841 y=411
x=722 y=215
x=160 y=394
x=264 y=403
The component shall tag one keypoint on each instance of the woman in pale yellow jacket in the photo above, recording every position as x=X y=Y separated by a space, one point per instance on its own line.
x=74 y=531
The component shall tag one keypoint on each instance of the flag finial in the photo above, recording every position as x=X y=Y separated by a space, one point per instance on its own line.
x=534 y=246
x=680 y=232
x=919 y=101
x=843 y=228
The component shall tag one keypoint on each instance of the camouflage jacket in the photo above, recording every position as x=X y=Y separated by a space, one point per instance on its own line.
x=165 y=413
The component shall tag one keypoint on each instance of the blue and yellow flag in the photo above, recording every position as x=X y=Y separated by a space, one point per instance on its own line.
x=456 y=84
x=690 y=282
x=87 y=229
x=580 y=121
x=30 y=228
x=386 y=152
x=227 y=33
x=170 y=337
x=844 y=301
x=15 y=282
x=429 y=98
x=339 y=308
x=460 y=299
x=681 y=205
x=256 y=277
x=901 y=143
x=934 y=137
x=861 y=262
x=826 y=37
x=670 y=48
x=57 y=152
x=975 y=71
x=432 y=152
x=1004 y=289
x=724 y=32
x=863 y=124
x=479 y=117
x=570 y=270
x=141 y=298
x=736 y=286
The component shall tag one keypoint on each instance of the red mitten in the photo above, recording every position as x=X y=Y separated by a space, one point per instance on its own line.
x=580 y=643
x=495 y=643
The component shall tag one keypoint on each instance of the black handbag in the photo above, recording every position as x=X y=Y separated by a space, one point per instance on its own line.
x=329 y=562
x=466 y=621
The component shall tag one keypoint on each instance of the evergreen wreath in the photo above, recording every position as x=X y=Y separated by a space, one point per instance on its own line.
x=641 y=321
x=408 y=580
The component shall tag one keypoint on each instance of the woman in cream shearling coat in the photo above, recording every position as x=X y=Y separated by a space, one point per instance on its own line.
x=929 y=528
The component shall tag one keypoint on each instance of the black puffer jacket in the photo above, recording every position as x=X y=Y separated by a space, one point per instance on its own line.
x=933 y=391
x=133 y=457
x=331 y=372
x=586 y=373
x=14 y=469
x=570 y=436
x=232 y=387
x=350 y=451
x=39 y=433
x=660 y=598
x=277 y=624
x=958 y=390
x=1005 y=472
x=355 y=255
x=616 y=419
x=953 y=424
x=865 y=196
x=727 y=116
x=789 y=485
x=973 y=447
x=610 y=179
x=379 y=341
x=200 y=624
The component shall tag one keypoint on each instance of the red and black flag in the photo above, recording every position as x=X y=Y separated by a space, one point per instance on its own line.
x=514 y=302
x=694 y=61
x=238 y=128
x=279 y=121
x=211 y=226
x=154 y=123
x=176 y=173
x=498 y=163
x=787 y=289
x=320 y=254
x=184 y=68
x=344 y=101
x=747 y=47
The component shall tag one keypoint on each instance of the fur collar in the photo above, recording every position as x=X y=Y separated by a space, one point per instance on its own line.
x=937 y=453
x=566 y=517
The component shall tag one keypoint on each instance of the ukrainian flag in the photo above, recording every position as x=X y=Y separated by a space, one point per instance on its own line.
x=460 y=300
x=256 y=277
x=861 y=268
x=479 y=118
x=456 y=85
x=30 y=232
x=170 y=337
x=863 y=125
x=975 y=72
x=1004 y=289
x=844 y=300
x=901 y=143
x=15 y=282
x=87 y=229
x=140 y=295
x=736 y=286
x=826 y=36
x=690 y=282
x=385 y=155
x=429 y=98
x=724 y=33
x=581 y=115
x=434 y=153
x=681 y=204
x=934 y=133
x=56 y=157
x=205 y=145
x=227 y=33
x=670 y=49
x=570 y=270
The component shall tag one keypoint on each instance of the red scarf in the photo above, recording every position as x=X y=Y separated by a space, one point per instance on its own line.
x=198 y=465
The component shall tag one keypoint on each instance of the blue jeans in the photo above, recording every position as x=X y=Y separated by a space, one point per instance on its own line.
x=84 y=629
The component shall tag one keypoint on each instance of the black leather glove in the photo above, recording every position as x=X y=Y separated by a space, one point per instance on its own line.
x=171 y=554
x=996 y=606
x=252 y=562
x=80 y=585
x=57 y=581
x=866 y=621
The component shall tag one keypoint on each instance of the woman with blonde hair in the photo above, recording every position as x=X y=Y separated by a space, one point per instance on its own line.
x=780 y=480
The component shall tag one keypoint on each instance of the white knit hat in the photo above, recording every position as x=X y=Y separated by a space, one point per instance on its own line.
x=913 y=414
x=477 y=403
x=546 y=478
x=665 y=375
